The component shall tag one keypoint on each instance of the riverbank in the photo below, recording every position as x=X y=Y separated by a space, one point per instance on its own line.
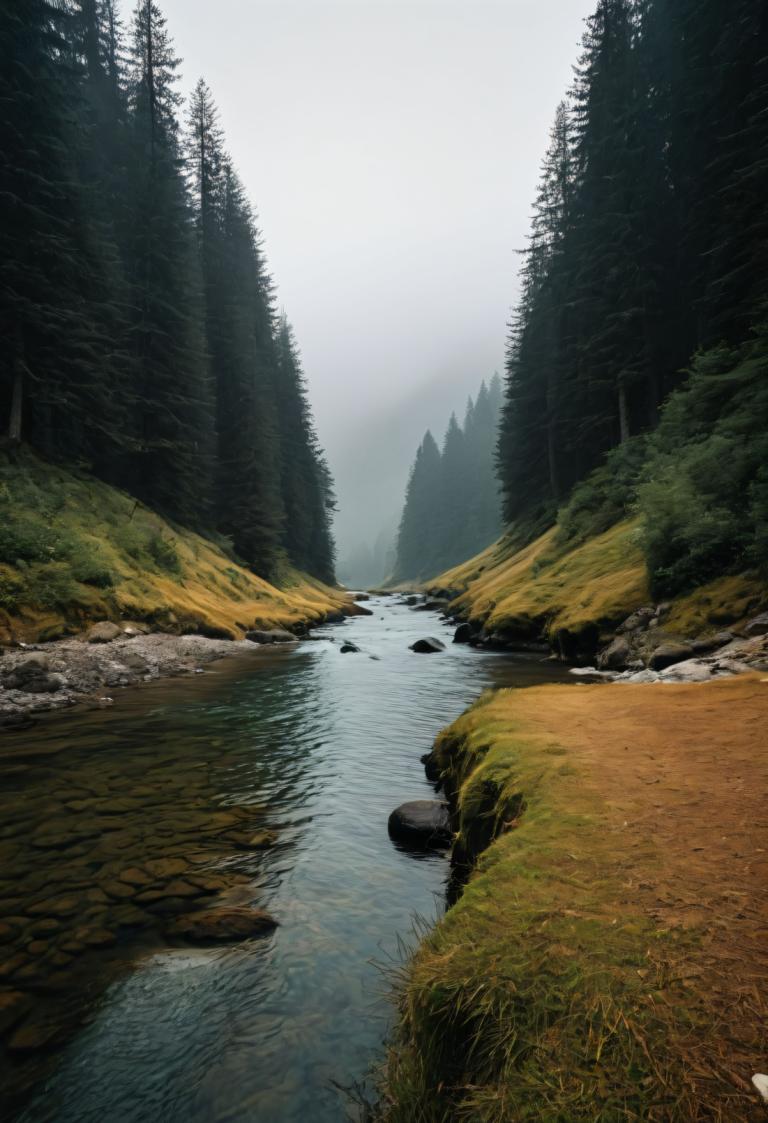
x=607 y=958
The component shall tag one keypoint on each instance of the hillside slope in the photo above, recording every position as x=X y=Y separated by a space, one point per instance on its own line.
x=575 y=595
x=73 y=549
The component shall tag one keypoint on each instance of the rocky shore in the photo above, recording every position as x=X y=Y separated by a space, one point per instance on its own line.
x=88 y=669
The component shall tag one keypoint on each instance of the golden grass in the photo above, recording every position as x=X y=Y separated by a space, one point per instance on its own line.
x=90 y=551
x=598 y=582
x=587 y=974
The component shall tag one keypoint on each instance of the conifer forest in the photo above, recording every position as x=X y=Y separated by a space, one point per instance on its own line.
x=383 y=561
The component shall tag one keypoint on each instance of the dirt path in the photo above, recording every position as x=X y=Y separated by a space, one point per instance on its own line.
x=685 y=789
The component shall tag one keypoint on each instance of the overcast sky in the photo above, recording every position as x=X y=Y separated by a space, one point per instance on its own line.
x=392 y=152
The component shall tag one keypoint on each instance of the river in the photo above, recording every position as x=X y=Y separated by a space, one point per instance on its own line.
x=314 y=745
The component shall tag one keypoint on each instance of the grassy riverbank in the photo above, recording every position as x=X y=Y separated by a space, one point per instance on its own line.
x=73 y=549
x=606 y=960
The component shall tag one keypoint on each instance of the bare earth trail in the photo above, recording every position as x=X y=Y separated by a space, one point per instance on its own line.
x=682 y=773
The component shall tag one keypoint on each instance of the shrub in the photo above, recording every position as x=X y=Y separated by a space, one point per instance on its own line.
x=608 y=495
x=164 y=554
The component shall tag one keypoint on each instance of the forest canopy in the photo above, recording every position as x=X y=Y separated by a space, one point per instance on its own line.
x=142 y=337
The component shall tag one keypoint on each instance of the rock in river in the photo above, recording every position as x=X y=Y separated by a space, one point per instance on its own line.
x=423 y=822
x=349 y=648
x=216 y=925
x=275 y=635
x=463 y=633
x=427 y=646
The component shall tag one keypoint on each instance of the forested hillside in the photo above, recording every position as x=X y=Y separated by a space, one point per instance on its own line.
x=640 y=336
x=141 y=336
x=452 y=503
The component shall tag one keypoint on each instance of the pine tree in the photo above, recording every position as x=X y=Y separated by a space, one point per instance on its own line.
x=418 y=548
x=173 y=402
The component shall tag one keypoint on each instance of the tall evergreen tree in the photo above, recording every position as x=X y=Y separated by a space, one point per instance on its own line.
x=173 y=400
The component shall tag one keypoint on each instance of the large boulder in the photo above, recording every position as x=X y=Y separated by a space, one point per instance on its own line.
x=103 y=632
x=616 y=656
x=427 y=646
x=463 y=633
x=758 y=626
x=706 y=644
x=31 y=674
x=217 y=925
x=422 y=822
x=274 y=635
x=639 y=620
x=667 y=654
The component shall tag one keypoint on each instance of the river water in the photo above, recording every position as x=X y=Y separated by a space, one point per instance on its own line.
x=312 y=744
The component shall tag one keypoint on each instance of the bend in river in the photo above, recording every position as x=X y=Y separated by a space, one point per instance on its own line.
x=112 y=821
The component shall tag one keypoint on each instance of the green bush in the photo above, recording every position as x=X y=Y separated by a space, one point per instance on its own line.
x=90 y=568
x=10 y=593
x=52 y=586
x=608 y=495
x=164 y=554
x=704 y=488
x=27 y=538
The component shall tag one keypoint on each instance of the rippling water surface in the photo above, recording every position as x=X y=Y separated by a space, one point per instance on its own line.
x=323 y=746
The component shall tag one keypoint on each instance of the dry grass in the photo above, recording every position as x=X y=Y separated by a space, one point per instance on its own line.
x=607 y=960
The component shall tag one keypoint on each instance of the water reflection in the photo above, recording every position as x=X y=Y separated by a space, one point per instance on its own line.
x=313 y=744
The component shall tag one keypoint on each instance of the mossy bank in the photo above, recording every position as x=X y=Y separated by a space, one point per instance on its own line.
x=605 y=960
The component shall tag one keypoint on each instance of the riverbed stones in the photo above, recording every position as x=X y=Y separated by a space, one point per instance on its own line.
x=428 y=646
x=222 y=925
x=422 y=822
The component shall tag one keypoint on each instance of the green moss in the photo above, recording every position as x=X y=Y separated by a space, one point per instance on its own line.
x=543 y=994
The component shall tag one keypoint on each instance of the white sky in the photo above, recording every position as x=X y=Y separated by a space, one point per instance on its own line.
x=392 y=152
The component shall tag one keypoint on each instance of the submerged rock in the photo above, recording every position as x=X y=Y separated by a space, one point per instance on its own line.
x=274 y=635
x=427 y=646
x=217 y=925
x=422 y=822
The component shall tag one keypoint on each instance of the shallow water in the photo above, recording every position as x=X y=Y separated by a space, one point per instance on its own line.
x=316 y=745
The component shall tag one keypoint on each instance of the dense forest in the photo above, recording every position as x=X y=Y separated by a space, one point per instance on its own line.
x=142 y=338
x=452 y=503
x=637 y=375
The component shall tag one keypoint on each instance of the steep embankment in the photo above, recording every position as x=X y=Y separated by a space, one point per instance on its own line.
x=606 y=959
x=73 y=549
x=575 y=596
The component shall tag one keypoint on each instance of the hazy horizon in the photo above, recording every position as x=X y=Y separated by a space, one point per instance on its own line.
x=392 y=153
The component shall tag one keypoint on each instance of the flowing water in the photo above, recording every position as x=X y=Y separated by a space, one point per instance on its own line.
x=312 y=744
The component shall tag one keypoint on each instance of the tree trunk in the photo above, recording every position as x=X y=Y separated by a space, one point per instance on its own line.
x=623 y=414
x=17 y=392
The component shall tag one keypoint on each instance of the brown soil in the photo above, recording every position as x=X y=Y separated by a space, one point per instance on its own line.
x=683 y=773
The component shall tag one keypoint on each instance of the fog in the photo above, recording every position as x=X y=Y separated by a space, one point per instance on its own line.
x=392 y=152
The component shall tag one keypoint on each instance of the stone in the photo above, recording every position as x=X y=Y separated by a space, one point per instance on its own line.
x=217 y=925
x=103 y=632
x=166 y=867
x=349 y=648
x=667 y=654
x=463 y=633
x=422 y=822
x=135 y=876
x=94 y=937
x=335 y=617
x=275 y=635
x=118 y=890
x=758 y=626
x=56 y=906
x=711 y=643
x=616 y=656
x=639 y=620
x=427 y=646
x=13 y=1006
